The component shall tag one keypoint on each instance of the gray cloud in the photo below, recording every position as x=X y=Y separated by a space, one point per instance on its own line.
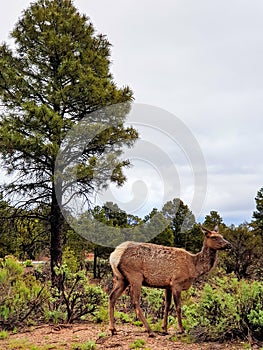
x=201 y=61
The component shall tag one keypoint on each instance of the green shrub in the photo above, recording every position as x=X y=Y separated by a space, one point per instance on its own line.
x=76 y=299
x=227 y=309
x=101 y=315
x=138 y=344
x=124 y=317
x=152 y=302
x=21 y=296
x=4 y=334
x=70 y=259
x=24 y=299
x=28 y=263
x=88 y=345
x=250 y=305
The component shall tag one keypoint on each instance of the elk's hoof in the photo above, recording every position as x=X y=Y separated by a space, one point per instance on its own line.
x=113 y=331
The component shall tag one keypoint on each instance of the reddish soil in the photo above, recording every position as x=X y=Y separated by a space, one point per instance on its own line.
x=63 y=337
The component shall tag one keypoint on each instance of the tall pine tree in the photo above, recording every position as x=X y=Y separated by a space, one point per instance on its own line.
x=56 y=75
x=258 y=215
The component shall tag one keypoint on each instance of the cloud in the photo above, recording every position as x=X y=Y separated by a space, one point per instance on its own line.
x=202 y=62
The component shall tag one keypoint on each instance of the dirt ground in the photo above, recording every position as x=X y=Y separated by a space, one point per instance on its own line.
x=63 y=337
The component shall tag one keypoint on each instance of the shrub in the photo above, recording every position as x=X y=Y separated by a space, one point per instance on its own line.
x=138 y=344
x=76 y=298
x=21 y=296
x=250 y=305
x=227 y=309
x=88 y=345
x=152 y=302
x=4 y=334
x=24 y=299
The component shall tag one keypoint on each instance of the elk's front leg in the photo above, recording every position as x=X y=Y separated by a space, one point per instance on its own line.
x=177 y=301
x=168 y=299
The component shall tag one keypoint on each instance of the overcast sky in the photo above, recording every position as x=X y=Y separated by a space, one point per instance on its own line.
x=201 y=61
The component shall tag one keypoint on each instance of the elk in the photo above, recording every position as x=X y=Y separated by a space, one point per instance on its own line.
x=173 y=269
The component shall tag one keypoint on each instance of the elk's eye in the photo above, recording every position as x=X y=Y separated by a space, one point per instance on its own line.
x=214 y=238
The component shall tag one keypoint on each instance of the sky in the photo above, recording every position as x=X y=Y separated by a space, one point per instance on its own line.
x=197 y=65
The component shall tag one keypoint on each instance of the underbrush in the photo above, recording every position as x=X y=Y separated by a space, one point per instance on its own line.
x=223 y=309
x=21 y=296
x=25 y=299
x=226 y=309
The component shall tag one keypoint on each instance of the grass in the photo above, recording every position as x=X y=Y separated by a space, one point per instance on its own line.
x=4 y=335
x=25 y=344
x=138 y=344
x=102 y=335
x=124 y=317
x=88 y=345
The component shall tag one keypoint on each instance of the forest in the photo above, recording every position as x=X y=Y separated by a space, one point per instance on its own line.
x=56 y=75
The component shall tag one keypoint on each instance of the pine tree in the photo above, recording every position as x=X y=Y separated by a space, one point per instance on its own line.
x=258 y=215
x=212 y=220
x=57 y=75
x=181 y=220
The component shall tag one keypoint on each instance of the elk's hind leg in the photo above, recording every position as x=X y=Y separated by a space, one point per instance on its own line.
x=120 y=285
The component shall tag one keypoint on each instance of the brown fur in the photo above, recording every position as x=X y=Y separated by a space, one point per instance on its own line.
x=174 y=269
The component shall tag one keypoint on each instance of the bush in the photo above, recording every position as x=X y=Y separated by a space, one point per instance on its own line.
x=227 y=309
x=152 y=302
x=76 y=298
x=138 y=344
x=88 y=345
x=21 y=296
x=24 y=299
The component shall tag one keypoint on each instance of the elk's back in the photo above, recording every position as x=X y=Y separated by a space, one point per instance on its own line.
x=158 y=266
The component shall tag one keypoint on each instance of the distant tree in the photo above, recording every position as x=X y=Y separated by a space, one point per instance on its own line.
x=245 y=258
x=195 y=239
x=166 y=237
x=32 y=237
x=181 y=220
x=76 y=244
x=25 y=236
x=258 y=214
x=109 y=215
x=8 y=243
x=112 y=215
x=56 y=75
x=257 y=224
x=212 y=220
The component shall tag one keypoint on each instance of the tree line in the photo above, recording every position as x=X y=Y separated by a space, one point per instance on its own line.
x=28 y=237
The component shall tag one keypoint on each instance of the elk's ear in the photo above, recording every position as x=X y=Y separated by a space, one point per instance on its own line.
x=205 y=231
x=216 y=229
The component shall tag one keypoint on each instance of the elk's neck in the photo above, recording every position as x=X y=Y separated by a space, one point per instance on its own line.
x=205 y=260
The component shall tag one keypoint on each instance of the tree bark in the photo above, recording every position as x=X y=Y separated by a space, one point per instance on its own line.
x=56 y=223
x=95 y=261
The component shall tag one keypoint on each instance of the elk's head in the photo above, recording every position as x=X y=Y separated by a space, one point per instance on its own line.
x=214 y=240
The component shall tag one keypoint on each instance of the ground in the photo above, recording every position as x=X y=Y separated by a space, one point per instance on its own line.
x=64 y=337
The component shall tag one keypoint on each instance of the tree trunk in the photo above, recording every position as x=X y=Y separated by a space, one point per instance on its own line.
x=95 y=261
x=56 y=222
